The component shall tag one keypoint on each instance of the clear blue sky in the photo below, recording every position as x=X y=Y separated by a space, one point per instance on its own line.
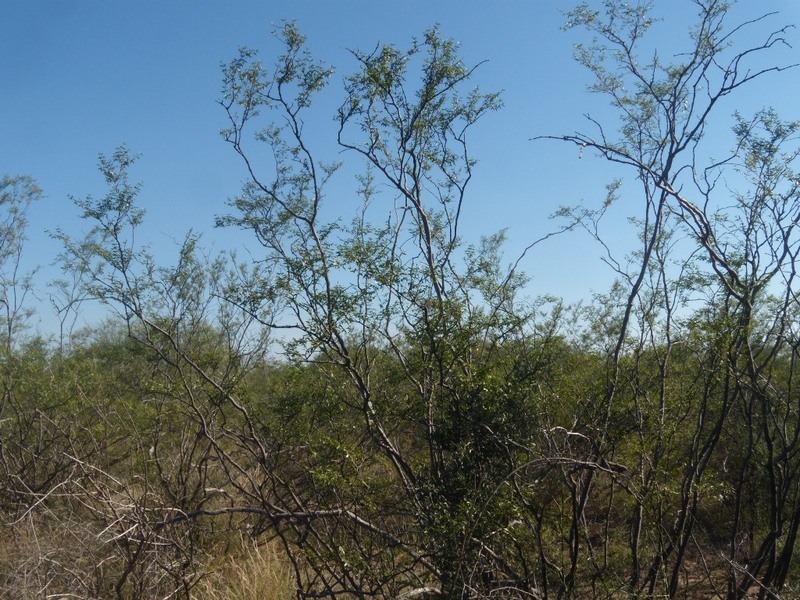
x=82 y=77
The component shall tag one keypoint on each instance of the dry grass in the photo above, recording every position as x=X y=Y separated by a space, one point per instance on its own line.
x=40 y=558
x=256 y=572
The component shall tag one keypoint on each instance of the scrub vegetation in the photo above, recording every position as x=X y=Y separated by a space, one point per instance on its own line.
x=374 y=406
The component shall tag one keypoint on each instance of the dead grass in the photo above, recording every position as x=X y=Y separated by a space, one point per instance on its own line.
x=254 y=572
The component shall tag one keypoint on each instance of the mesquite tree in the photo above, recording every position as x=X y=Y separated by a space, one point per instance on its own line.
x=740 y=263
x=389 y=295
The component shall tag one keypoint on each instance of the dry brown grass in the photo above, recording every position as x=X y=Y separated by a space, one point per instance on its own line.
x=254 y=572
x=40 y=558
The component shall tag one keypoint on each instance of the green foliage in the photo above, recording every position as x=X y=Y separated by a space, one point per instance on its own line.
x=376 y=399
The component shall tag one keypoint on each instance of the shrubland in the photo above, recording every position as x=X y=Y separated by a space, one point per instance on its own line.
x=376 y=407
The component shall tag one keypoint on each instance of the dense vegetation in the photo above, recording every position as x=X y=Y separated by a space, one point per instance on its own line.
x=373 y=407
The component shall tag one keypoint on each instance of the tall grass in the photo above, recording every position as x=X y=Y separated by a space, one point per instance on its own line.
x=256 y=572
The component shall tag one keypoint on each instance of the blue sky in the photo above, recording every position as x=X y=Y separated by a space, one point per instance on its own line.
x=82 y=77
